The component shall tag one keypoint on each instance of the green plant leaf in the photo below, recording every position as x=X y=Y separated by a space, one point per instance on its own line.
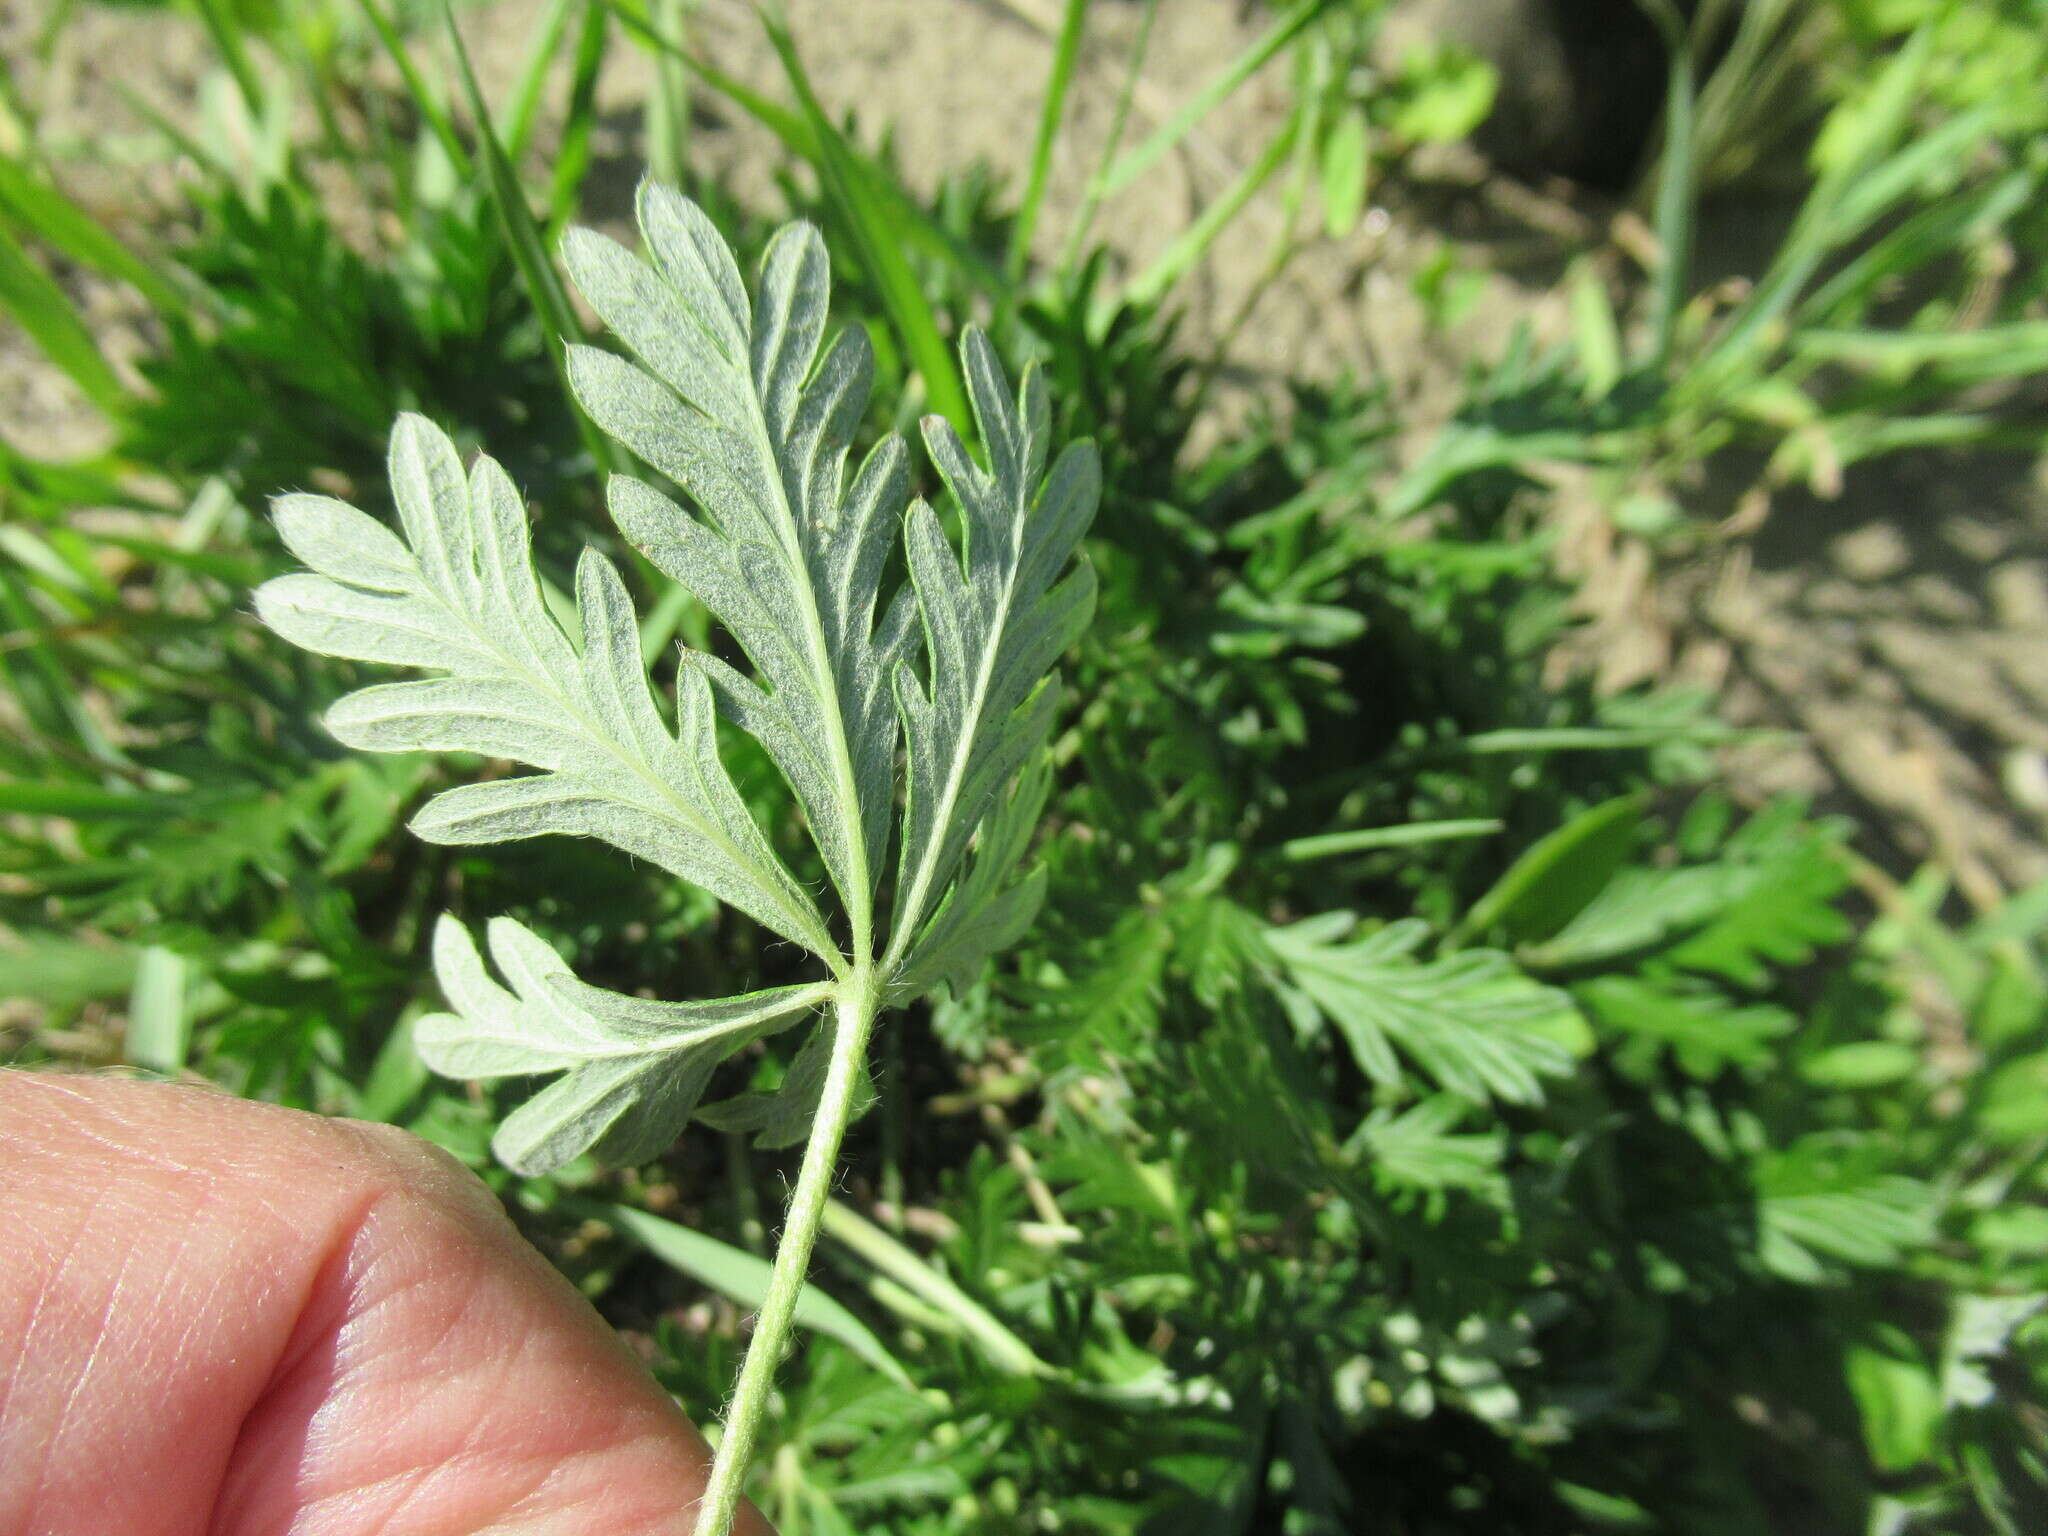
x=993 y=626
x=48 y=318
x=459 y=595
x=736 y=405
x=1472 y=1022
x=633 y=1070
x=737 y=1274
x=1549 y=885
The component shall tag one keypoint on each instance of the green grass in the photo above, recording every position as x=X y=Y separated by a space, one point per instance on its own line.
x=1429 y=1102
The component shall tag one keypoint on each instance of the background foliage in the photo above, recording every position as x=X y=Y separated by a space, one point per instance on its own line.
x=1430 y=1101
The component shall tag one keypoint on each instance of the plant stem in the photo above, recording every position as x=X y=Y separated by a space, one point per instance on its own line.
x=859 y=1001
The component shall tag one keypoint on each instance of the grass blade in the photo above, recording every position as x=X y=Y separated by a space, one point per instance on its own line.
x=533 y=78
x=910 y=222
x=668 y=107
x=1330 y=845
x=1674 y=181
x=227 y=33
x=1003 y=1348
x=159 y=1024
x=739 y=1275
x=879 y=239
x=1242 y=68
x=433 y=111
x=37 y=206
x=1098 y=183
x=1065 y=53
x=572 y=159
x=45 y=313
x=536 y=272
x=1189 y=246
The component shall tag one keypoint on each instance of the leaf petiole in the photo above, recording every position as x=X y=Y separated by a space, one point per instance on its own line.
x=855 y=1009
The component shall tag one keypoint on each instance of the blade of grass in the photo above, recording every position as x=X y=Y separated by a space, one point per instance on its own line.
x=794 y=130
x=1203 y=102
x=1821 y=223
x=1066 y=51
x=524 y=108
x=1927 y=236
x=1330 y=845
x=433 y=111
x=85 y=801
x=668 y=106
x=879 y=239
x=1192 y=243
x=1588 y=738
x=572 y=159
x=39 y=207
x=226 y=33
x=1098 y=183
x=543 y=284
x=59 y=723
x=159 y=1025
x=1675 y=175
x=1003 y=1348
x=1313 y=68
x=45 y=314
x=739 y=1275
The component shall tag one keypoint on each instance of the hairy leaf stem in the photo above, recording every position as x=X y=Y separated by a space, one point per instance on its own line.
x=858 y=1003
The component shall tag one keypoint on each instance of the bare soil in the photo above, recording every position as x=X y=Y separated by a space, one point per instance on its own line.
x=1896 y=633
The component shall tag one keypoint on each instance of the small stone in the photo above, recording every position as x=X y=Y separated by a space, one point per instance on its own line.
x=2026 y=780
x=1874 y=553
x=2019 y=594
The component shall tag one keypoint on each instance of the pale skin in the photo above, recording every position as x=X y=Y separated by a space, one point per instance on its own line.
x=220 y=1318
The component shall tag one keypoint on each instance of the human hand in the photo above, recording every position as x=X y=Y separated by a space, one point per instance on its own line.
x=219 y=1318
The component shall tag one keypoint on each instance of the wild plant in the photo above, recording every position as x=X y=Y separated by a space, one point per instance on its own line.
x=910 y=724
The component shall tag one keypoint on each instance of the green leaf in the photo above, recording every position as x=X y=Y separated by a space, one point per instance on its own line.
x=459 y=595
x=1595 y=333
x=739 y=405
x=784 y=1117
x=2012 y=1104
x=737 y=1274
x=47 y=317
x=1441 y=94
x=1898 y=1399
x=1472 y=1022
x=1768 y=898
x=993 y=626
x=633 y=1070
x=1980 y=1331
x=1701 y=1028
x=1549 y=885
x=1832 y=1198
x=1861 y=1064
x=1418 y=1148
x=1347 y=161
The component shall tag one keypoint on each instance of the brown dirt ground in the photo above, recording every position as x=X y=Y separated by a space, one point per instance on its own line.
x=1898 y=631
